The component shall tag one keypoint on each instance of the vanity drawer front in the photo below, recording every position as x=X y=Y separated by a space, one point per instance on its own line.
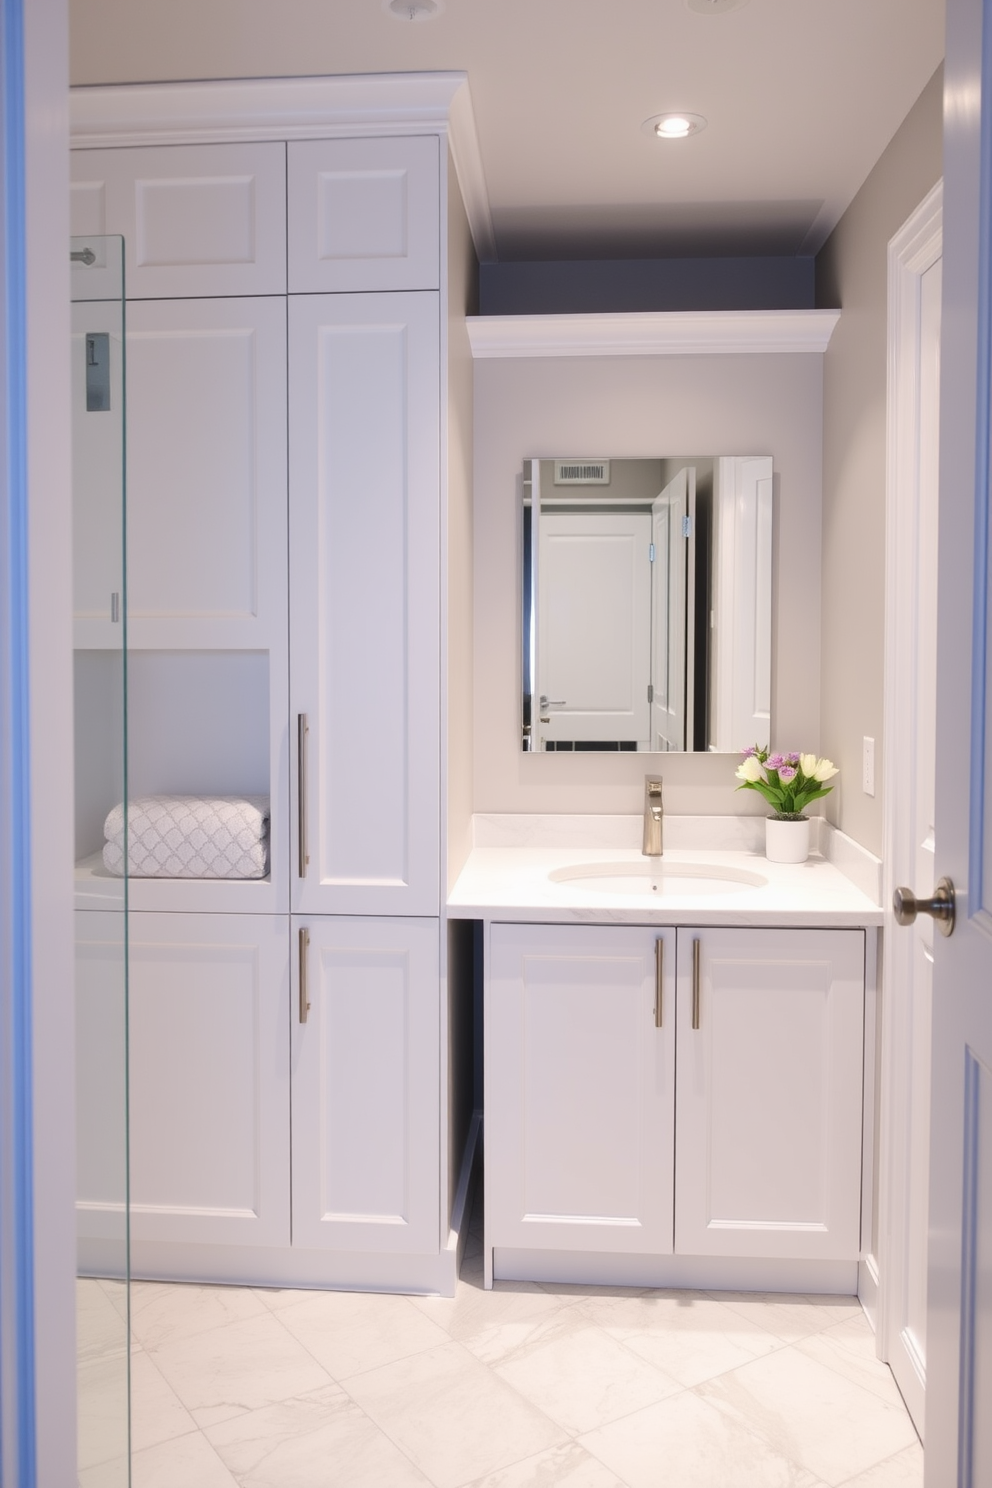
x=769 y=1106
x=579 y=1089
x=364 y=214
x=196 y=219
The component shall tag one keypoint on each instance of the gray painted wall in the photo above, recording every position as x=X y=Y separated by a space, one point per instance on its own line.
x=638 y=407
x=852 y=274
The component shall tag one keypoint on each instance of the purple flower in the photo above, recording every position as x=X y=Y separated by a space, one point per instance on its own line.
x=793 y=759
x=787 y=772
x=747 y=753
x=775 y=762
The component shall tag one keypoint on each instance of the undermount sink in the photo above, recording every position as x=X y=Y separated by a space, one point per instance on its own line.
x=656 y=878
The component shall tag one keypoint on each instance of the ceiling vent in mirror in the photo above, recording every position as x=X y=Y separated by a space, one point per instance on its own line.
x=582 y=472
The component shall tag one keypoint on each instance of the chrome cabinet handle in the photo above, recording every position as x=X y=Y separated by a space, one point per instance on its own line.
x=695 y=984
x=659 y=982
x=906 y=906
x=304 y=975
x=302 y=731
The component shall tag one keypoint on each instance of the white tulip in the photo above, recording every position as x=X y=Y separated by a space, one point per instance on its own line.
x=824 y=770
x=808 y=763
x=750 y=769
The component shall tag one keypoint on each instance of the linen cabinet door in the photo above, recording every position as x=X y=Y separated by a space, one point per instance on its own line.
x=196 y=219
x=206 y=458
x=769 y=1106
x=364 y=214
x=209 y=1082
x=364 y=603
x=101 y=1091
x=580 y=1089
x=366 y=1094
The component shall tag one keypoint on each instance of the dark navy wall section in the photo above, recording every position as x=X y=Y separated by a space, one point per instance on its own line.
x=641 y=284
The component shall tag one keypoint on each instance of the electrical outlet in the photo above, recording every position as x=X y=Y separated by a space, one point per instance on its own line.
x=868 y=766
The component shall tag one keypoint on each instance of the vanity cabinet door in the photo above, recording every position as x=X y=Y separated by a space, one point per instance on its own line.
x=208 y=1080
x=769 y=1106
x=364 y=214
x=580 y=1089
x=366 y=1085
x=364 y=603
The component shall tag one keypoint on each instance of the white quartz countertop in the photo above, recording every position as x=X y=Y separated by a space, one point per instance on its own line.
x=513 y=882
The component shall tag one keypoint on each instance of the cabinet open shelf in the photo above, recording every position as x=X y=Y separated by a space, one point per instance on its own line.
x=199 y=723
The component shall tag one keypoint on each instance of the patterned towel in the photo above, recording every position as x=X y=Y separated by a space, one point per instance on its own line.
x=190 y=837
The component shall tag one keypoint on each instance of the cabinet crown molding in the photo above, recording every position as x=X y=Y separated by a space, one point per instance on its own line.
x=294 y=108
x=654 y=333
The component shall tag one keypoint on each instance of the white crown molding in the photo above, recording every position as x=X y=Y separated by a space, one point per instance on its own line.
x=294 y=108
x=656 y=333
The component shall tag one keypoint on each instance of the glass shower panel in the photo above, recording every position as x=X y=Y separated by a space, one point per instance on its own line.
x=100 y=712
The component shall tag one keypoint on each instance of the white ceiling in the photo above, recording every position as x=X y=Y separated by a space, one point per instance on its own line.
x=801 y=97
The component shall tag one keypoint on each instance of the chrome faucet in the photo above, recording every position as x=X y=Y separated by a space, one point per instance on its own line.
x=654 y=813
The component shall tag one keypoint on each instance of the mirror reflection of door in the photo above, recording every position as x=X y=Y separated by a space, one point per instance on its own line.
x=647 y=606
x=594 y=629
x=672 y=610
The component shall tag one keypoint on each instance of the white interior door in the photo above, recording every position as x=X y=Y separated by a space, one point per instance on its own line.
x=911 y=713
x=959 y=1314
x=595 y=626
x=671 y=523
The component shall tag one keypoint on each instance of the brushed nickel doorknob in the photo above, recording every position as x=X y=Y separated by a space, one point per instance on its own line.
x=906 y=906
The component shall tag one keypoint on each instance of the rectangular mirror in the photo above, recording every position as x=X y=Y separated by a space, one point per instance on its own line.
x=647 y=603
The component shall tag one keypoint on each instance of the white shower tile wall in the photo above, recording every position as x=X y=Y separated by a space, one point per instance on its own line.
x=526 y=1386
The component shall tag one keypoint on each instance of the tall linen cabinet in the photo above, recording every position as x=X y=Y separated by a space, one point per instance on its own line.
x=298 y=478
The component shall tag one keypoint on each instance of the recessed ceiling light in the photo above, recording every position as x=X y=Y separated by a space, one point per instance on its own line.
x=413 y=10
x=673 y=125
x=714 y=7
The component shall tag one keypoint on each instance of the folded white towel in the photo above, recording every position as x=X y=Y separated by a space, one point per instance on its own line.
x=190 y=837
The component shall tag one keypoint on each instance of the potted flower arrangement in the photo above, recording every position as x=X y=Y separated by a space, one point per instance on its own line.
x=789 y=783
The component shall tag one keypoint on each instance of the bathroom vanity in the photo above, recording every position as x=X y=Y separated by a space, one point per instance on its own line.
x=676 y=1077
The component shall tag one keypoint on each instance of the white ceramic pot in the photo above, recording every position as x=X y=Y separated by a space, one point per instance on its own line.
x=786 y=841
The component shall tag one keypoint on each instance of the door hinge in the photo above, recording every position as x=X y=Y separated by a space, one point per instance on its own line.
x=651 y=552
x=686 y=526
x=650 y=692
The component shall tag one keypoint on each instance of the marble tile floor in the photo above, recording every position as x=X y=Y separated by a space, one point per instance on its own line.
x=526 y=1386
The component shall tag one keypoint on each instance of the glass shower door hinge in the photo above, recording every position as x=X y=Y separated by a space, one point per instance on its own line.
x=115 y=609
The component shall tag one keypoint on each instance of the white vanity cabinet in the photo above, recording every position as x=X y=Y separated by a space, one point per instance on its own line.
x=580 y=1088
x=731 y=1131
x=769 y=1093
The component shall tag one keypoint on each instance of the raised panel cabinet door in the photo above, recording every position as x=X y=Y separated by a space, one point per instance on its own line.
x=196 y=219
x=366 y=1092
x=770 y=1080
x=209 y=1079
x=365 y=603
x=364 y=214
x=580 y=1088
x=206 y=474
x=101 y=1082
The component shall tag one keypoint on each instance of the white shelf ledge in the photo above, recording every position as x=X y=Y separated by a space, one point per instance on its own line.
x=655 y=333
